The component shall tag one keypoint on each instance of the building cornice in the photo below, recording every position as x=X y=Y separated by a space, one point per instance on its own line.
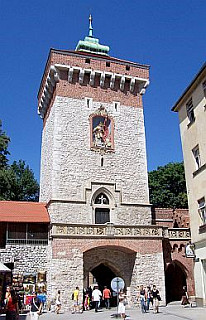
x=190 y=88
x=53 y=78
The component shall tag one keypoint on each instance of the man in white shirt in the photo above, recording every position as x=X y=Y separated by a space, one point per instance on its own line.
x=96 y=297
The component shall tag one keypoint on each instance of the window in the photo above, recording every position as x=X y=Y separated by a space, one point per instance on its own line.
x=27 y=233
x=127 y=68
x=88 y=102
x=190 y=111
x=196 y=154
x=116 y=106
x=87 y=60
x=202 y=209
x=102 y=209
x=101 y=215
x=101 y=199
x=107 y=64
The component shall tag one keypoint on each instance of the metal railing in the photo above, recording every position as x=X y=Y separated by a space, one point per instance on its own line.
x=42 y=242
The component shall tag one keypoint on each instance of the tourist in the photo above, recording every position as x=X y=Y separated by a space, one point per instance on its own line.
x=96 y=297
x=12 y=307
x=86 y=300
x=122 y=303
x=143 y=299
x=149 y=297
x=156 y=299
x=75 y=296
x=36 y=308
x=106 y=297
x=184 y=300
x=58 y=302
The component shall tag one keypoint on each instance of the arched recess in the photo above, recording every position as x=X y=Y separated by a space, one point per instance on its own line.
x=175 y=279
x=102 y=209
x=102 y=264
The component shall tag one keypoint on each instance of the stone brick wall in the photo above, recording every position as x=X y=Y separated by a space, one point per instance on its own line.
x=136 y=261
x=26 y=258
x=73 y=166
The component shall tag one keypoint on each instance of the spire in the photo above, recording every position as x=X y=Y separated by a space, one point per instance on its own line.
x=91 y=44
x=90 y=26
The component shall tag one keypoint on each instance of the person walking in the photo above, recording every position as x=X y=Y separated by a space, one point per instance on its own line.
x=75 y=300
x=12 y=307
x=36 y=308
x=184 y=300
x=58 y=302
x=149 y=297
x=156 y=299
x=121 y=306
x=143 y=298
x=96 y=297
x=86 y=300
x=106 y=297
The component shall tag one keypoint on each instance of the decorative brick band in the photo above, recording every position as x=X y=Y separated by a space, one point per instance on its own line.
x=106 y=230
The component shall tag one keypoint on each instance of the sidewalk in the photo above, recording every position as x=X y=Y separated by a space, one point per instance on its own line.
x=170 y=312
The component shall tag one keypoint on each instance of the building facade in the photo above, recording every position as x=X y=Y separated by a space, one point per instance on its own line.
x=191 y=107
x=94 y=186
x=94 y=172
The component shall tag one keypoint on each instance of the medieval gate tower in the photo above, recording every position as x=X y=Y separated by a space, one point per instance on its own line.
x=94 y=172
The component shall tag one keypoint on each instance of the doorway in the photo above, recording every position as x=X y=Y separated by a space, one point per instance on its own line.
x=175 y=279
x=103 y=275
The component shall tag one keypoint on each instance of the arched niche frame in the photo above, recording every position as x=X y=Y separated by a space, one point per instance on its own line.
x=103 y=204
x=101 y=130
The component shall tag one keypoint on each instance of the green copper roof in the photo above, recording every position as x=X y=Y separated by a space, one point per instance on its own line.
x=91 y=44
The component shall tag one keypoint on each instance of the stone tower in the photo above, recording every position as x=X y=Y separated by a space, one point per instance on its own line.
x=94 y=172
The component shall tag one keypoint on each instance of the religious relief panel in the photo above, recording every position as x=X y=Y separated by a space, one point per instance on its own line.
x=102 y=130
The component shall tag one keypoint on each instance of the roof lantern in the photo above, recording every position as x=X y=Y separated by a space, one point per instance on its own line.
x=91 y=44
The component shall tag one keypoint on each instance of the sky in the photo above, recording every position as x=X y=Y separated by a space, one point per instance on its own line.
x=169 y=35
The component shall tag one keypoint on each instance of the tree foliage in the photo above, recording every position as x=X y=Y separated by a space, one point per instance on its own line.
x=17 y=180
x=4 y=141
x=167 y=186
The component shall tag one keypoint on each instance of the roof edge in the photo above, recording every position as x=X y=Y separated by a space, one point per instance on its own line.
x=175 y=107
x=99 y=57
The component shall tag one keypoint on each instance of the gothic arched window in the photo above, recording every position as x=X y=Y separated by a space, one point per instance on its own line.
x=102 y=209
x=101 y=199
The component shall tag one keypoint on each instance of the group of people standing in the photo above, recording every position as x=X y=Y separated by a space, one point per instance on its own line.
x=148 y=296
x=12 y=307
x=91 y=299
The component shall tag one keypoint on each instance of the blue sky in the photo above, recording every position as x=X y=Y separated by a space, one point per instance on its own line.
x=169 y=35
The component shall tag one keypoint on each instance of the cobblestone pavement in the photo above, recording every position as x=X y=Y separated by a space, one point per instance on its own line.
x=171 y=312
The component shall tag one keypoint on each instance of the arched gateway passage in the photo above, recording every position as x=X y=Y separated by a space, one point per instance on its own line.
x=175 y=279
x=103 y=275
x=102 y=264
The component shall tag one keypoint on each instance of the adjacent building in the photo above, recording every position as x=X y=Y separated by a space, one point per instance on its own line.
x=191 y=107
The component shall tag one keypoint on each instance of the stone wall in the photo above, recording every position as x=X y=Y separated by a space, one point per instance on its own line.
x=73 y=166
x=26 y=258
x=136 y=261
